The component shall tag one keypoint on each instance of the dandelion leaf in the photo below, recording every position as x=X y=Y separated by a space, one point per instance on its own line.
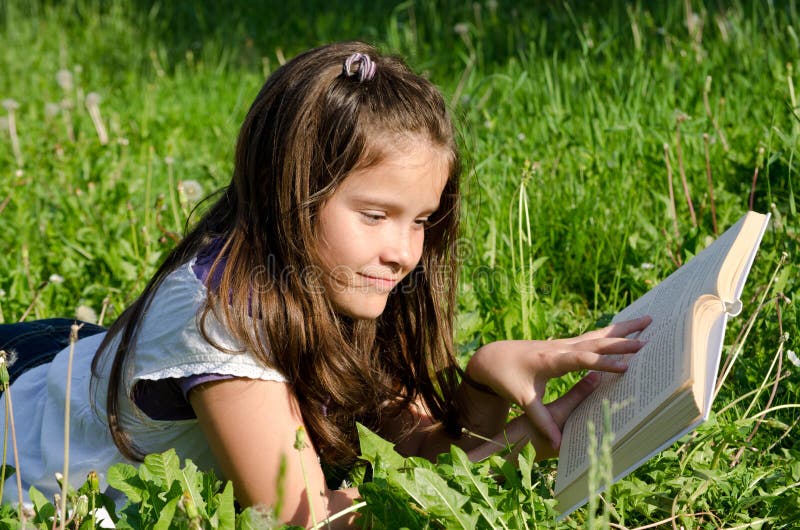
x=526 y=459
x=125 y=478
x=226 y=512
x=465 y=470
x=434 y=494
x=378 y=452
x=9 y=471
x=162 y=469
x=43 y=509
x=389 y=507
x=191 y=483
x=166 y=514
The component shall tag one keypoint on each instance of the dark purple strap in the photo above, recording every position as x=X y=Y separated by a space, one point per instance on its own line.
x=168 y=399
x=205 y=258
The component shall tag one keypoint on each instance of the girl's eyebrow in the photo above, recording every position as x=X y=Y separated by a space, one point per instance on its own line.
x=388 y=204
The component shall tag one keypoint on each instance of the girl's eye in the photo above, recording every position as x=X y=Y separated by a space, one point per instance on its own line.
x=372 y=217
x=424 y=222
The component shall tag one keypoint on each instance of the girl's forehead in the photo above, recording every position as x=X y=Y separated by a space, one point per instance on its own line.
x=414 y=169
x=411 y=150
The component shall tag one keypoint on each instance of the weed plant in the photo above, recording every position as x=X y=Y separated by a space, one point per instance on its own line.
x=605 y=144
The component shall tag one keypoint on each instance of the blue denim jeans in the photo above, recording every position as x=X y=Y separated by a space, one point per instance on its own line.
x=38 y=341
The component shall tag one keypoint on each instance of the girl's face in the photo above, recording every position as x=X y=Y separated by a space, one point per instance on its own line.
x=373 y=226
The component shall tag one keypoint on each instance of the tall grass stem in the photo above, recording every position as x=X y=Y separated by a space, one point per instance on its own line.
x=93 y=106
x=714 y=123
x=672 y=210
x=299 y=445
x=5 y=379
x=73 y=338
x=684 y=182
x=173 y=190
x=18 y=472
x=337 y=515
x=710 y=181
x=11 y=106
x=759 y=160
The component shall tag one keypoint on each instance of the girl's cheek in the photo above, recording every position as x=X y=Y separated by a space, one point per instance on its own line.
x=419 y=244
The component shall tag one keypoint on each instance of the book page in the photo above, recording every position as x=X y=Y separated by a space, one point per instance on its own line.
x=741 y=256
x=711 y=326
x=659 y=369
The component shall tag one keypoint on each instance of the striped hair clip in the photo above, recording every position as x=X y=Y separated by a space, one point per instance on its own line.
x=359 y=64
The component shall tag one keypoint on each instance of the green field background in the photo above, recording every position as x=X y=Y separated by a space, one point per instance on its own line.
x=566 y=112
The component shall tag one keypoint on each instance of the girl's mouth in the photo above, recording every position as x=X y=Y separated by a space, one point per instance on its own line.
x=382 y=282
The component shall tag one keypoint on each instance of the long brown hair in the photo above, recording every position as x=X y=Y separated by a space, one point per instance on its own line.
x=309 y=127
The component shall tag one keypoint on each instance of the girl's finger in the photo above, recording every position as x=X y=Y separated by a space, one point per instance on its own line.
x=543 y=421
x=626 y=327
x=561 y=408
x=617 y=329
x=608 y=345
x=620 y=329
x=575 y=360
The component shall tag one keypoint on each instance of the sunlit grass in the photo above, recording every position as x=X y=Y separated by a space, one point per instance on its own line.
x=113 y=113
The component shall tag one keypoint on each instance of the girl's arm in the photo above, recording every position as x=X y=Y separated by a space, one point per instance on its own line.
x=430 y=438
x=518 y=372
x=251 y=426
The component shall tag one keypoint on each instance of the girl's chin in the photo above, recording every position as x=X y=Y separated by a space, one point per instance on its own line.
x=360 y=306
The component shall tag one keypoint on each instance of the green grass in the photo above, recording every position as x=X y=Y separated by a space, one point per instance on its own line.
x=563 y=111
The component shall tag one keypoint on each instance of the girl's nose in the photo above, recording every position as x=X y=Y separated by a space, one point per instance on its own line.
x=401 y=248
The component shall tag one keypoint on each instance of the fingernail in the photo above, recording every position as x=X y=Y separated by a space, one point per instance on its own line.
x=593 y=378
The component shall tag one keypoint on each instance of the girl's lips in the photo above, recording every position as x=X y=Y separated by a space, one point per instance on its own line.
x=379 y=281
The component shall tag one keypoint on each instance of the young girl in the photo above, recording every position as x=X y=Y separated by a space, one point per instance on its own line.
x=317 y=292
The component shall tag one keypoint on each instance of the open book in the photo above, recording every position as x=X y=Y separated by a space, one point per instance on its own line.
x=668 y=388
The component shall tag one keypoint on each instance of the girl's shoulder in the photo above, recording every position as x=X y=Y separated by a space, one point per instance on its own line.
x=177 y=338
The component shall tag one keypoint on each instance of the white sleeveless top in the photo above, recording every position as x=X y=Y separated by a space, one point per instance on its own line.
x=169 y=345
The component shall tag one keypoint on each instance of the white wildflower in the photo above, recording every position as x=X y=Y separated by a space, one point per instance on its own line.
x=168 y=160
x=64 y=80
x=56 y=278
x=86 y=314
x=92 y=98
x=520 y=136
x=2 y=293
x=793 y=357
x=51 y=109
x=647 y=266
x=191 y=189
x=81 y=507
x=462 y=28
x=694 y=23
x=18 y=173
x=10 y=105
x=11 y=357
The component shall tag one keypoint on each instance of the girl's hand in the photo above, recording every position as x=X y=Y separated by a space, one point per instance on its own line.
x=518 y=370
